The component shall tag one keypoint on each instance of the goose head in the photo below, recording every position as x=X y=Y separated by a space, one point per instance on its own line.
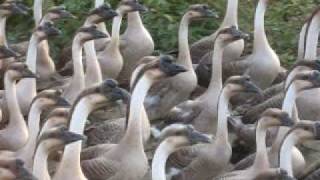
x=315 y=65
x=49 y=98
x=199 y=11
x=16 y=167
x=102 y=13
x=276 y=117
x=46 y=30
x=6 y=52
x=89 y=33
x=306 y=80
x=185 y=134
x=230 y=34
x=127 y=6
x=9 y=8
x=58 y=113
x=58 y=12
x=306 y=130
x=58 y=137
x=236 y=84
x=19 y=70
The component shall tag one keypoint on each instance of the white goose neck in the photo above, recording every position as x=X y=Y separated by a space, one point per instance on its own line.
x=31 y=59
x=3 y=36
x=223 y=112
x=231 y=17
x=215 y=84
x=261 y=159
x=78 y=73
x=285 y=153
x=134 y=20
x=312 y=38
x=260 y=39
x=116 y=25
x=184 y=57
x=301 y=45
x=37 y=10
x=40 y=168
x=133 y=134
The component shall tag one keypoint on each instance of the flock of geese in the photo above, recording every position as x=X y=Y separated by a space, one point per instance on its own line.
x=116 y=112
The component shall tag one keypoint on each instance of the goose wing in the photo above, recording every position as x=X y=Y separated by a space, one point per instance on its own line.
x=99 y=168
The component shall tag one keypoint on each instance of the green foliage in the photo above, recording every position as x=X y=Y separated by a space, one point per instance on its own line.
x=283 y=22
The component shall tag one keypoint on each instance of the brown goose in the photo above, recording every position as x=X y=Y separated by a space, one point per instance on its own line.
x=263 y=65
x=41 y=33
x=261 y=166
x=202 y=112
x=173 y=137
x=49 y=142
x=233 y=51
x=90 y=99
x=113 y=164
x=57 y=117
x=136 y=37
x=166 y=94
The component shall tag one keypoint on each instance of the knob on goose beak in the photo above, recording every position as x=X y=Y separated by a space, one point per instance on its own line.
x=70 y=137
x=96 y=34
x=6 y=52
x=119 y=94
x=50 y=30
x=237 y=34
x=195 y=136
x=170 y=68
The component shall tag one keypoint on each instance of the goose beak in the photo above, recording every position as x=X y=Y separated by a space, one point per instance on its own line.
x=62 y=102
x=251 y=87
x=317 y=130
x=96 y=34
x=119 y=93
x=27 y=73
x=53 y=31
x=67 y=14
x=110 y=14
x=7 y=53
x=210 y=13
x=197 y=137
x=286 y=120
x=139 y=7
x=70 y=137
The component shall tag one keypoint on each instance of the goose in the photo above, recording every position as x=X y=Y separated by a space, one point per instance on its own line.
x=25 y=97
x=113 y=163
x=174 y=137
x=16 y=124
x=136 y=37
x=270 y=118
x=263 y=65
x=12 y=169
x=302 y=81
x=111 y=60
x=87 y=101
x=202 y=112
x=233 y=51
x=93 y=71
x=44 y=100
x=302 y=131
x=212 y=159
x=77 y=82
x=50 y=141
x=101 y=43
x=166 y=94
x=6 y=52
x=45 y=65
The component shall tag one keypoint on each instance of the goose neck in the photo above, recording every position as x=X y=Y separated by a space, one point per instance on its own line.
x=222 y=131
x=37 y=9
x=70 y=162
x=160 y=158
x=133 y=134
x=231 y=17
x=216 y=77
x=260 y=39
x=302 y=38
x=16 y=116
x=40 y=169
x=31 y=59
x=285 y=153
x=77 y=59
x=261 y=159
x=3 y=37
x=184 y=57
x=134 y=20
x=98 y=3
x=116 y=25
x=311 y=42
